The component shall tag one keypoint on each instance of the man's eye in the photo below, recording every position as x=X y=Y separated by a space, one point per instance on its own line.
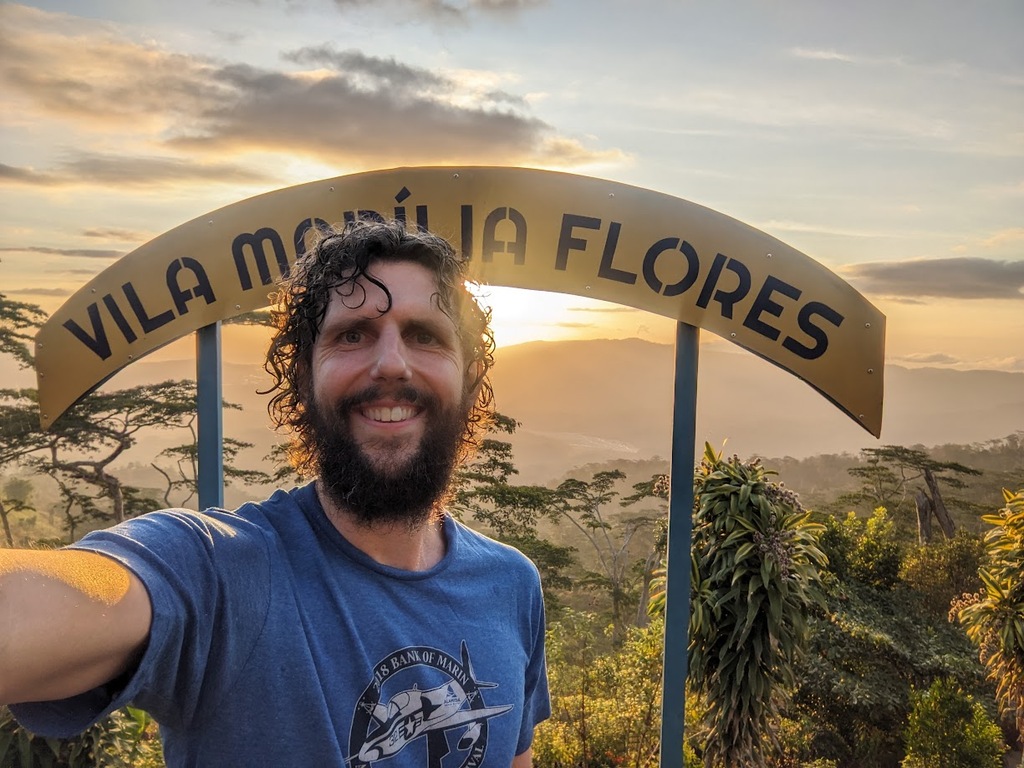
x=422 y=337
x=352 y=337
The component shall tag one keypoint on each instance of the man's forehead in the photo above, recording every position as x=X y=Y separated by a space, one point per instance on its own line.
x=409 y=284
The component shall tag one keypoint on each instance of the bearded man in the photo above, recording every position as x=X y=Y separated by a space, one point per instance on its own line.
x=348 y=622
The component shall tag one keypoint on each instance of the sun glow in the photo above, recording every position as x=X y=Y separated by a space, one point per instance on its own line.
x=520 y=315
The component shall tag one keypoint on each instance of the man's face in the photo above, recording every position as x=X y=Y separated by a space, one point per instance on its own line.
x=389 y=404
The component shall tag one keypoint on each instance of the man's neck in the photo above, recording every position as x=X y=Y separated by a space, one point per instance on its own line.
x=417 y=547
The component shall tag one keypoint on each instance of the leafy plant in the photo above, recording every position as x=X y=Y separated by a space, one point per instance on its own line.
x=126 y=739
x=605 y=704
x=755 y=577
x=994 y=618
x=944 y=570
x=948 y=727
x=864 y=549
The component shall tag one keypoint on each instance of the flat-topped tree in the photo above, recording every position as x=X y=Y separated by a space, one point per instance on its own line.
x=18 y=421
x=85 y=441
x=891 y=473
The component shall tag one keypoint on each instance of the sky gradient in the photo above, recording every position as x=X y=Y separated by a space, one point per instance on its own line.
x=885 y=140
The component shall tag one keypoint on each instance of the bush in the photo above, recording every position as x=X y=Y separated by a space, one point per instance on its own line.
x=944 y=570
x=864 y=549
x=605 y=706
x=126 y=739
x=948 y=728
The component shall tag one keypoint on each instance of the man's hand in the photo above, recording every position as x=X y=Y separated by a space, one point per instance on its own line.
x=69 y=621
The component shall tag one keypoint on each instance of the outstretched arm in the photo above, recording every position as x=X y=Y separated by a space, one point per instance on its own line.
x=69 y=621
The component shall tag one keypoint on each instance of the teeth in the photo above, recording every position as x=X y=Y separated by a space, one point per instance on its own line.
x=395 y=413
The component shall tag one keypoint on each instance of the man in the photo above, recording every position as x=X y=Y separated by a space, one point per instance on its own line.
x=349 y=622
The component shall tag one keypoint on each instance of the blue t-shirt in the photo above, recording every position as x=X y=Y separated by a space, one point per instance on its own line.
x=276 y=642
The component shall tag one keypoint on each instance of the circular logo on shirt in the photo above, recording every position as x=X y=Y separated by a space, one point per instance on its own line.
x=425 y=700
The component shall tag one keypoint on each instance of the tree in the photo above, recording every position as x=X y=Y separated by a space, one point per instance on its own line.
x=482 y=490
x=944 y=570
x=887 y=477
x=864 y=549
x=994 y=618
x=584 y=504
x=18 y=320
x=948 y=727
x=604 y=706
x=83 y=443
x=756 y=575
x=183 y=476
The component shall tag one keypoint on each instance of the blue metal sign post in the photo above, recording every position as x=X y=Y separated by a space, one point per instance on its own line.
x=680 y=536
x=209 y=417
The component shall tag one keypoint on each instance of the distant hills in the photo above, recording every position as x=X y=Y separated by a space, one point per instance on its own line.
x=591 y=401
x=582 y=401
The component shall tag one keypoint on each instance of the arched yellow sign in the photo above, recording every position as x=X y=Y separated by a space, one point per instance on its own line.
x=519 y=227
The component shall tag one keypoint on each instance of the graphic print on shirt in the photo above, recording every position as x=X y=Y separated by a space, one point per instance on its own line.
x=427 y=698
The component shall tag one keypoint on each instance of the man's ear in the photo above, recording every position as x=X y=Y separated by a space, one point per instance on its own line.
x=474 y=377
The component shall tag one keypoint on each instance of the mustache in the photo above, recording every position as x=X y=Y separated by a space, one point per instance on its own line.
x=404 y=394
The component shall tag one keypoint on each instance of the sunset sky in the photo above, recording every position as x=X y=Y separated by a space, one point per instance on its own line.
x=883 y=139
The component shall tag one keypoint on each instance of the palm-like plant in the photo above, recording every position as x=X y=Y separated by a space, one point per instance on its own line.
x=994 y=618
x=755 y=575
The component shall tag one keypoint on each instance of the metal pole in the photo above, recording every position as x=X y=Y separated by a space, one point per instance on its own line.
x=209 y=417
x=680 y=536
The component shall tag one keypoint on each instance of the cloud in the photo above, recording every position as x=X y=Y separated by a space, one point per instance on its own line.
x=944 y=68
x=921 y=358
x=962 y=278
x=40 y=291
x=116 y=234
x=820 y=55
x=120 y=170
x=573 y=325
x=377 y=72
x=1003 y=237
x=139 y=114
x=459 y=11
x=10 y=173
x=354 y=116
x=86 y=253
x=602 y=309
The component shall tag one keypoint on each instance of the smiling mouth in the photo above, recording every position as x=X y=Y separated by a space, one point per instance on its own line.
x=390 y=414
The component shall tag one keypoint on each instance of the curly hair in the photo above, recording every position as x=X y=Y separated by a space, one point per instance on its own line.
x=339 y=259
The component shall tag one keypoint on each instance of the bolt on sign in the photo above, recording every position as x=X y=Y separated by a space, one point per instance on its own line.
x=518 y=227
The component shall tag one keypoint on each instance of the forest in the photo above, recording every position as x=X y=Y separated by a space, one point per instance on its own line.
x=853 y=610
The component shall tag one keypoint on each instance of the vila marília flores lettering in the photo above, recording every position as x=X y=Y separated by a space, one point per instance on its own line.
x=717 y=283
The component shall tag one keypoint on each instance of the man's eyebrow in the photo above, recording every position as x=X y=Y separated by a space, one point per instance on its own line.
x=434 y=325
x=345 y=323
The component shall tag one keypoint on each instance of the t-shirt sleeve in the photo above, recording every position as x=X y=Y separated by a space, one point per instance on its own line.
x=208 y=578
x=537 y=703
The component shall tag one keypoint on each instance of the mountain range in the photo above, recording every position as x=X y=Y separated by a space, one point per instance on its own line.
x=580 y=402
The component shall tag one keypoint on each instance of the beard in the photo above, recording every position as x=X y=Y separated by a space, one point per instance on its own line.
x=390 y=486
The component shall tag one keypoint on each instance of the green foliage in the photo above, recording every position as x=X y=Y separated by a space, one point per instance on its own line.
x=887 y=476
x=948 y=727
x=994 y=619
x=78 y=449
x=866 y=652
x=866 y=550
x=605 y=705
x=510 y=512
x=18 y=323
x=755 y=578
x=588 y=507
x=944 y=570
x=126 y=739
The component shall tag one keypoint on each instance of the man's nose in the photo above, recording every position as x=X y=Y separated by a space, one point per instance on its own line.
x=391 y=358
